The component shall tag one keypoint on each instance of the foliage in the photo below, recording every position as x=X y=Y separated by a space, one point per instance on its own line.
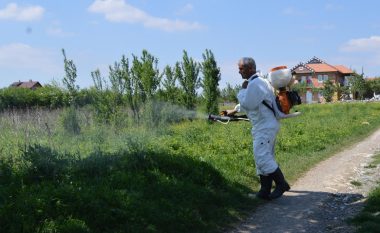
x=102 y=104
x=229 y=93
x=189 y=80
x=328 y=90
x=358 y=85
x=211 y=78
x=70 y=78
x=191 y=176
x=70 y=120
x=369 y=219
x=133 y=94
x=170 y=92
x=343 y=92
x=374 y=85
x=146 y=73
x=301 y=88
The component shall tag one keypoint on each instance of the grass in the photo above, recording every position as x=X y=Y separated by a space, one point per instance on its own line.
x=356 y=183
x=376 y=160
x=191 y=176
x=368 y=221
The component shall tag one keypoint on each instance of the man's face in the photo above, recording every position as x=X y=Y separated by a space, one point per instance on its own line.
x=245 y=71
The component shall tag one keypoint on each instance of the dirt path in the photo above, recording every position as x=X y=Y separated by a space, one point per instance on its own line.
x=328 y=194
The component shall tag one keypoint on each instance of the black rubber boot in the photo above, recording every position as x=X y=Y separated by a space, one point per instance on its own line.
x=281 y=184
x=266 y=186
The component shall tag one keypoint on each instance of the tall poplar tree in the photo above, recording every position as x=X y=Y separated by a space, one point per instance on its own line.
x=211 y=78
x=189 y=80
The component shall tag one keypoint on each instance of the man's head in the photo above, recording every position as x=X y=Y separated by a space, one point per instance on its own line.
x=247 y=67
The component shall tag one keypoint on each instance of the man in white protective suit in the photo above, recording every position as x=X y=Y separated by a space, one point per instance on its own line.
x=265 y=126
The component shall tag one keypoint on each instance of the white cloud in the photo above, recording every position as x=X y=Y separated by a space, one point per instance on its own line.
x=23 y=56
x=28 y=13
x=120 y=11
x=363 y=53
x=185 y=9
x=58 y=32
x=371 y=44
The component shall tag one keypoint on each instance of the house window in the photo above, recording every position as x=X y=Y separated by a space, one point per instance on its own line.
x=309 y=81
x=322 y=78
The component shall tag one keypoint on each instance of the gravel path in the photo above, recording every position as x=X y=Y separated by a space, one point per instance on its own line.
x=324 y=197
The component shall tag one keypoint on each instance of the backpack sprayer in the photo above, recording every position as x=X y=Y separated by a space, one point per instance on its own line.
x=280 y=77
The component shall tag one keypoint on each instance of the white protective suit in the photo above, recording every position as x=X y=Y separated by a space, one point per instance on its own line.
x=264 y=124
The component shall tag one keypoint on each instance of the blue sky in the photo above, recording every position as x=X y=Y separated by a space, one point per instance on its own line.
x=96 y=33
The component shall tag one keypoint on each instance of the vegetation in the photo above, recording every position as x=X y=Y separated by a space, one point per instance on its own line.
x=188 y=76
x=368 y=221
x=229 y=94
x=328 y=90
x=211 y=78
x=189 y=177
x=374 y=85
x=132 y=154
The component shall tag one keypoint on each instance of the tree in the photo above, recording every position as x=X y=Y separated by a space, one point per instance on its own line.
x=229 y=93
x=133 y=88
x=170 y=91
x=358 y=85
x=70 y=118
x=188 y=78
x=343 y=92
x=70 y=78
x=374 y=85
x=328 y=90
x=211 y=78
x=102 y=100
x=146 y=72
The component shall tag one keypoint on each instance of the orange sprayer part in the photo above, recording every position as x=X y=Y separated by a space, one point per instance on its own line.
x=284 y=102
x=278 y=68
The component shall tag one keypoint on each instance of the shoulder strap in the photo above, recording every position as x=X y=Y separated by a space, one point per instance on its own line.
x=270 y=107
x=253 y=77
x=265 y=103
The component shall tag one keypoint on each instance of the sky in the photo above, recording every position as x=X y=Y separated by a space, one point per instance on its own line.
x=97 y=33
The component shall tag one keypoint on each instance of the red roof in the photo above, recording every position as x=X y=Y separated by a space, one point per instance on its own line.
x=30 y=84
x=344 y=70
x=322 y=68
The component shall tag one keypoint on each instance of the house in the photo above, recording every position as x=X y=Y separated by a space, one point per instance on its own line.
x=314 y=73
x=30 y=84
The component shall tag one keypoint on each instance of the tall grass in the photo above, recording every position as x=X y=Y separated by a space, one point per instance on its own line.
x=179 y=176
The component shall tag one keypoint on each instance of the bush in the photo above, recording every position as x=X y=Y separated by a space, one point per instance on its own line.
x=69 y=225
x=70 y=121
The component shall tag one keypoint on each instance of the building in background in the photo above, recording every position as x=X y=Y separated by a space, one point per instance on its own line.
x=314 y=73
x=29 y=84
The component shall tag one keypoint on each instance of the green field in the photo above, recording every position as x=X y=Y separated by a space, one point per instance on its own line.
x=191 y=176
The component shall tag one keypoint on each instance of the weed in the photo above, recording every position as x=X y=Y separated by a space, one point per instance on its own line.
x=356 y=183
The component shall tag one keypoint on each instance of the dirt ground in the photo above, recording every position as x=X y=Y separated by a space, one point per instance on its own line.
x=324 y=197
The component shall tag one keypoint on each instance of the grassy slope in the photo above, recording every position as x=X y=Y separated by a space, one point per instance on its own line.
x=190 y=177
x=368 y=221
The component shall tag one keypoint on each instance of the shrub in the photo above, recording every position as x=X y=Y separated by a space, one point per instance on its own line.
x=70 y=121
